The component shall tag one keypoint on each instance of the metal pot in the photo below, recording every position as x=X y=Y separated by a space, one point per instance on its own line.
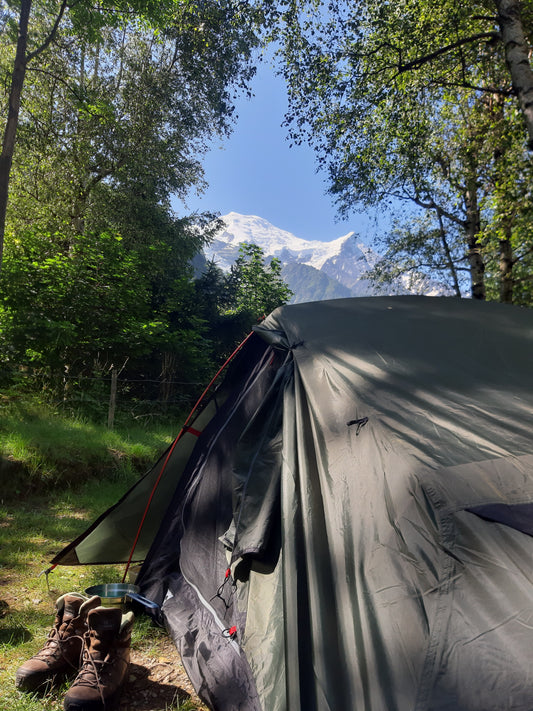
x=116 y=594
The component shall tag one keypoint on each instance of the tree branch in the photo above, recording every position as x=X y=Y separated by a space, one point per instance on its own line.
x=420 y=61
x=518 y=258
x=430 y=204
x=481 y=89
x=51 y=35
x=65 y=83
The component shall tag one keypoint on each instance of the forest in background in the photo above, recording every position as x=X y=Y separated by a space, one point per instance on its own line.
x=100 y=278
x=108 y=108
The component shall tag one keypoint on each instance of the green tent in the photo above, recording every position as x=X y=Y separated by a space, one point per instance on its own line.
x=348 y=521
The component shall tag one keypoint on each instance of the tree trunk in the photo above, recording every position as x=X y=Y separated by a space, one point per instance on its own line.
x=10 y=132
x=473 y=228
x=447 y=252
x=517 y=52
x=506 y=270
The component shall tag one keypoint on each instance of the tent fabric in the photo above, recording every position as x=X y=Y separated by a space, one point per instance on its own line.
x=353 y=528
x=110 y=539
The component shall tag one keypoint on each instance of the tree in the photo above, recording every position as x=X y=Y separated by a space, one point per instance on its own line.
x=393 y=98
x=67 y=319
x=254 y=287
x=22 y=57
x=420 y=251
x=517 y=55
x=232 y=303
x=114 y=119
x=63 y=311
x=196 y=52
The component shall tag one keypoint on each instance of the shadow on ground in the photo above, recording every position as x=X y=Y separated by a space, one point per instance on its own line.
x=153 y=687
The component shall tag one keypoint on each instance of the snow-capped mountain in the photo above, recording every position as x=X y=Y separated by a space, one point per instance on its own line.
x=314 y=270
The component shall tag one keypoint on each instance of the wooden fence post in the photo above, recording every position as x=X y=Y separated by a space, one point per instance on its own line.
x=112 y=398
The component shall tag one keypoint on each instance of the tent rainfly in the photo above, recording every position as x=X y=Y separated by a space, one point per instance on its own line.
x=347 y=522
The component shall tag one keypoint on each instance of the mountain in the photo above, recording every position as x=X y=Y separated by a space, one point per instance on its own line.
x=314 y=270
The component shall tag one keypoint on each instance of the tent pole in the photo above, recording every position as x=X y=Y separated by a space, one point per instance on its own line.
x=180 y=434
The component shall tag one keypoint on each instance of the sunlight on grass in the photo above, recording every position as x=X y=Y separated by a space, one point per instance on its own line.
x=57 y=475
x=40 y=448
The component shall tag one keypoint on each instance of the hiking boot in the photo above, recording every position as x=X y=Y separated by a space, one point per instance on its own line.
x=106 y=657
x=61 y=653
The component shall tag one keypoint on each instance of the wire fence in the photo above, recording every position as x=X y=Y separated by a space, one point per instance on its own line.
x=111 y=395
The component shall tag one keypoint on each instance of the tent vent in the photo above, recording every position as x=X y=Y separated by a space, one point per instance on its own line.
x=361 y=422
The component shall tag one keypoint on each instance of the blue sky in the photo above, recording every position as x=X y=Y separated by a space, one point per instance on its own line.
x=254 y=172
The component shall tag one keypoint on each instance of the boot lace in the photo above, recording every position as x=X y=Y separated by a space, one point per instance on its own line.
x=53 y=648
x=92 y=670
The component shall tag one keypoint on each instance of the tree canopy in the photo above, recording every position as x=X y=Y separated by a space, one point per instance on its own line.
x=111 y=110
x=422 y=103
x=423 y=107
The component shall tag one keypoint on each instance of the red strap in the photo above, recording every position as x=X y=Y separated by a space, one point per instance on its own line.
x=194 y=432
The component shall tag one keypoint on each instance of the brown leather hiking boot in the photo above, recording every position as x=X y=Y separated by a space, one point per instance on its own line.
x=61 y=653
x=106 y=657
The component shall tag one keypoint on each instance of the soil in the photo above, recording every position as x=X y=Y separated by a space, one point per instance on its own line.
x=157 y=680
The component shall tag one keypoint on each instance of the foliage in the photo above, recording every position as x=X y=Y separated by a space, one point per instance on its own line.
x=117 y=109
x=110 y=130
x=419 y=253
x=412 y=102
x=115 y=90
x=56 y=303
x=254 y=287
x=232 y=303
x=68 y=318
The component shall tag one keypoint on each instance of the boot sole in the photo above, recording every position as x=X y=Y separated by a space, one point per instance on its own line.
x=110 y=703
x=40 y=682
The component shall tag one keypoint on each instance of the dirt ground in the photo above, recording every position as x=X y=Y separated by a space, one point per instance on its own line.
x=157 y=680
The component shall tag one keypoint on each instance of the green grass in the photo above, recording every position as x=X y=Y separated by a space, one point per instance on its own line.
x=42 y=449
x=31 y=532
x=58 y=475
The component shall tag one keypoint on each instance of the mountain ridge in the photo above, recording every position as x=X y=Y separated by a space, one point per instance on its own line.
x=314 y=270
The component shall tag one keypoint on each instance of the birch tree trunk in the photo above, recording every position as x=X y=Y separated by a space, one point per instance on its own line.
x=506 y=269
x=473 y=228
x=8 y=145
x=517 y=51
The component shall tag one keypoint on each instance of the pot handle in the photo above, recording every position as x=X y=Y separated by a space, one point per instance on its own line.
x=142 y=600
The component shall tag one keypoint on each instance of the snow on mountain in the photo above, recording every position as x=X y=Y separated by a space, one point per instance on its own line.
x=274 y=241
x=313 y=269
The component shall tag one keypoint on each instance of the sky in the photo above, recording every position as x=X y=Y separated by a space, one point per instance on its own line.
x=255 y=172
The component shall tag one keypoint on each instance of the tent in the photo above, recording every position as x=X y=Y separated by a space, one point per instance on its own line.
x=347 y=523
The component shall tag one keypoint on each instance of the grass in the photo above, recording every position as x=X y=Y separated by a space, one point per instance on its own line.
x=41 y=449
x=30 y=533
x=57 y=475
